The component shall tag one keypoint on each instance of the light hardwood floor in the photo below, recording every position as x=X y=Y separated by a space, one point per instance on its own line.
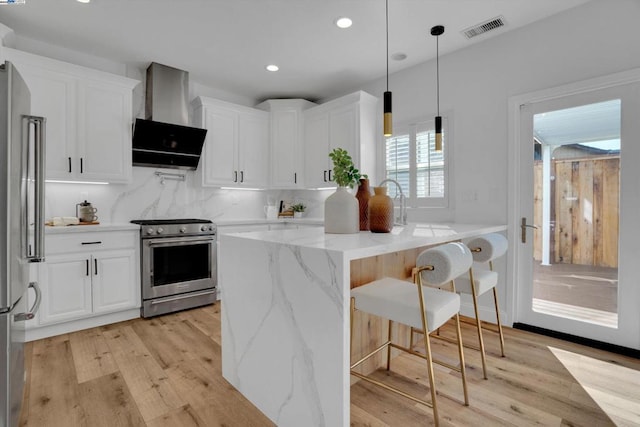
x=166 y=371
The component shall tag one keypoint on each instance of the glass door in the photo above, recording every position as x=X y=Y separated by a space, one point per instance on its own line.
x=577 y=262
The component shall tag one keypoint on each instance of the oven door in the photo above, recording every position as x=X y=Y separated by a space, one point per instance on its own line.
x=173 y=266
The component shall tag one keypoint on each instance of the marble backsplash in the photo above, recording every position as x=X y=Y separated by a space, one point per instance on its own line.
x=146 y=197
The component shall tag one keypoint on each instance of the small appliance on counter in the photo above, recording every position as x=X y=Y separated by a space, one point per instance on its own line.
x=86 y=212
x=178 y=264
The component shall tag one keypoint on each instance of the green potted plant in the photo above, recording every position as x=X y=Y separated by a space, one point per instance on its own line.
x=341 y=209
x=298 y=209
x=344 y=172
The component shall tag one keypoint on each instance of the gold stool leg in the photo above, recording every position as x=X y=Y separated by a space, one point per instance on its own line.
x=462 y=367
x=427 y=349
x=478 y=324
x=495 y=301
x=389 y=347
x=352 y=309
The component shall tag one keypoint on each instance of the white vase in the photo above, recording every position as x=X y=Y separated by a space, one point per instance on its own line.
x=341 y=213
x=297 y=214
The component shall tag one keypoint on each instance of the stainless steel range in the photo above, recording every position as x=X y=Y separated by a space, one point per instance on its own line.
x=178 y=264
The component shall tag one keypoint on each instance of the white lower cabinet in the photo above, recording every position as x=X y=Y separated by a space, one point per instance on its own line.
x=66 y=289
x=88 y=279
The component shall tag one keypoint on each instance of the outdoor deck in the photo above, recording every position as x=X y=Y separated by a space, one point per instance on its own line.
x=580 y=292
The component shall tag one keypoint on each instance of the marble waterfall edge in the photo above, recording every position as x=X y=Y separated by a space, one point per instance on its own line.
x=271 y=349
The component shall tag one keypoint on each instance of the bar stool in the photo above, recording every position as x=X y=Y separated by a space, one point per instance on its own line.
x=418 y=305
x=484 y=249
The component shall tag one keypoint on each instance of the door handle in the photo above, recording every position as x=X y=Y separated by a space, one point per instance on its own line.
x=325 y=176
x=95 y=266
x=241 y=176
x=523 y=229
x=21 y=317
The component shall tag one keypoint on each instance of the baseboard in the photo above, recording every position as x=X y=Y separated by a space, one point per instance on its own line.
x=36 y=333
x=600 y=345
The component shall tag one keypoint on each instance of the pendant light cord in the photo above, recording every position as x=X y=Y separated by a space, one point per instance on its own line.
x=438 y=75
x=387 y=32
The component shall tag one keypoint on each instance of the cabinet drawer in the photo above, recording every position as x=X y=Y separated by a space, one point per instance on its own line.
x=79 y=242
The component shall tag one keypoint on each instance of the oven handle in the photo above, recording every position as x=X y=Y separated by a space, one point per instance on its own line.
x=198 y=294
x=190 y=241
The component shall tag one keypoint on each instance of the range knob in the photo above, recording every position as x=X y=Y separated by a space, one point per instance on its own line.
x=211 y=228
x=150 y=230
x=159 y=230
x=183 y=229
x=203 y=228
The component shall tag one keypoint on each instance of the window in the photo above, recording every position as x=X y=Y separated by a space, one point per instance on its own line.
x=411 y=159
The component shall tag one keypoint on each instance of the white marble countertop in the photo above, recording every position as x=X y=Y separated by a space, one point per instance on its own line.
x=366 y=244
x=91 y=228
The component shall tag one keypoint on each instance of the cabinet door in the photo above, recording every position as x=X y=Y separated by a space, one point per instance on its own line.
x=219 y=156
x=343 y=131
x=285 y=159
x=65 y=281
x=316 y=150
x=104 y=126
x=254 y=149
x=54 y=96
x=115 y=284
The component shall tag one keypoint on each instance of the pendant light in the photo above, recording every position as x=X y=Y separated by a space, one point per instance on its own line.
x=388 y=125
x=437 y=31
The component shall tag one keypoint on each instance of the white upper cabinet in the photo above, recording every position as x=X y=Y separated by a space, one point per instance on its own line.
x=236 y=149
x=286 y=137
x=89 y=117
x=347 y=122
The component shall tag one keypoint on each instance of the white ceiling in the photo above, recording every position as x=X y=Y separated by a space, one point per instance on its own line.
x=226 y=44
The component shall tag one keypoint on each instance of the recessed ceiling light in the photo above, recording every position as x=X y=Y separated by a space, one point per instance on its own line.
x=400 y=56
x=84 y=1
x=272 y=67
x=344 y=22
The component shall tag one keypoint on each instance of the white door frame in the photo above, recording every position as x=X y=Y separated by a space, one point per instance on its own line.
x=514 y=292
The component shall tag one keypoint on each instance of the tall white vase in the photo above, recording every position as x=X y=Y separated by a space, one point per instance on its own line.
x=341 y=213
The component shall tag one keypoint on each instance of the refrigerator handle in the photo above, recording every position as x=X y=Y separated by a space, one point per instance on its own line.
x=21 y=317
x=38 y=126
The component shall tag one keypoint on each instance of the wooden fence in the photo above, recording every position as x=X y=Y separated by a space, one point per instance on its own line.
x=585 y=196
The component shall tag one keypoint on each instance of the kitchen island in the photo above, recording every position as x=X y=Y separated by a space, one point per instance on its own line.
x=285 y=311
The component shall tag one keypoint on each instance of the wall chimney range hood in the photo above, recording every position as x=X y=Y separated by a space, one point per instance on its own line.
x=164 y=138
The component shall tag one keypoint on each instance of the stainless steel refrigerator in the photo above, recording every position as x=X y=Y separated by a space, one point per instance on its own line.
x=21 y=231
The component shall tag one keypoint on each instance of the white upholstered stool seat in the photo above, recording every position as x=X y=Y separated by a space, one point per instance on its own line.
x=396 y=300
x=419 y=306
x=484 y=281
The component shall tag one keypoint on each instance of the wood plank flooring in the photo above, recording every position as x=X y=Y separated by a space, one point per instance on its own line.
x=166 y=371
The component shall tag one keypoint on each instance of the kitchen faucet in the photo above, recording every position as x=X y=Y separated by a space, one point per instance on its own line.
x=401 y=219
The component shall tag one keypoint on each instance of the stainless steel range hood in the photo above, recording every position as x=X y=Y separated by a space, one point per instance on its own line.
x=164 y=138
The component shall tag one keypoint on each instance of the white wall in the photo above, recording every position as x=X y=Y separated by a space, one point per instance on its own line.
x=594 y=39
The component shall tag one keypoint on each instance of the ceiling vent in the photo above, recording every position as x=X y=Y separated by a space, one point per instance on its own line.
x=484 y=27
